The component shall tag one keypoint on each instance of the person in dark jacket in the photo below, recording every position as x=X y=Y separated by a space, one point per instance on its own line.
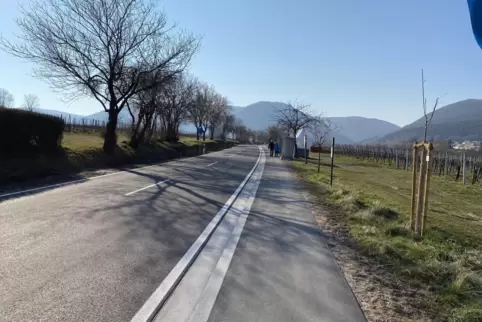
x=271 y=148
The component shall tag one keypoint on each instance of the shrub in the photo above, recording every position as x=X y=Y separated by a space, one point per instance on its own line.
x=26 y=133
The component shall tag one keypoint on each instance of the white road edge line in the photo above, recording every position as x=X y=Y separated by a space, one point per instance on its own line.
x=205 y=305
x=150 y=308
x=58 y=185
x=147 y=187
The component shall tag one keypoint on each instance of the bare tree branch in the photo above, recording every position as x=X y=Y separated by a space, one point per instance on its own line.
x=101 y=48
x=320 y=129
x=428 y=116
x=31 y=102
x=293 y=117
x=6 y=98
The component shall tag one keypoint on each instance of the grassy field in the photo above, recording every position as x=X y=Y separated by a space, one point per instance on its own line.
x=83 y=151
x=376 y=201
x=88 y=141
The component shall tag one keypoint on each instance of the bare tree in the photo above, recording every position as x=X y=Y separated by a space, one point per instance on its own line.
x=275 y=132
x=227 y=123
x=293 y=117
x=6 y=98
x=199 y=110
x=428 y=116
x=101 y=48
x=217 y=110
x=144 y=105
x=31 y=102
x=176 y=100
x=320 y=129
x=242 y=132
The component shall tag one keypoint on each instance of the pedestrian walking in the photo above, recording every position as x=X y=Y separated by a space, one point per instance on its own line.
x=271 y=148
x=276 y=149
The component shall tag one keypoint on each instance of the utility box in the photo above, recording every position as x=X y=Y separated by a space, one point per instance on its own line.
x=288 y=148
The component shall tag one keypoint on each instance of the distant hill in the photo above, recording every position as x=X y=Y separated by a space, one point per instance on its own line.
x=58 y=113
x=458 y=121
x=124 y=116
x=358 y=128
x=466 y=110
x=260 y=115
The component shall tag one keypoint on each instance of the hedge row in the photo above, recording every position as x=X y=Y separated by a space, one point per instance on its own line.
x=28 y=133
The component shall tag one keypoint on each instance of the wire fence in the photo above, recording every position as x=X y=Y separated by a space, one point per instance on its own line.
x=84 y=125
x=460 y=165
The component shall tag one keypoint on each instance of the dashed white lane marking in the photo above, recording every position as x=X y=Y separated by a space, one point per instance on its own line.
x=212 y=164
x=58 y=185
x=147 y=187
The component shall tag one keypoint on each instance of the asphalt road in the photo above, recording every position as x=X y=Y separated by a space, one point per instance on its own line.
x=267 y=262
x=101 y=250
x=96 y=250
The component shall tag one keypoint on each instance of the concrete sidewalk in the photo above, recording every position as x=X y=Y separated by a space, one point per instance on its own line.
x=282 y=269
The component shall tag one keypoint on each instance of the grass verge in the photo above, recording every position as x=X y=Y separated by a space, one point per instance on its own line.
x=375 y=201
x=83 y=151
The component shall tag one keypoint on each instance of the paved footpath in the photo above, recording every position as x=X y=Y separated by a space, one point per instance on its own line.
x=267 y=261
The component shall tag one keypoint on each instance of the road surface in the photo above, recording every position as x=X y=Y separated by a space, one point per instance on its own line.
x=105 y=249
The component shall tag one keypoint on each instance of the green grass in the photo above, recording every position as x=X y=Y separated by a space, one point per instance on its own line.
x=189 y=140
x=376 y=201
x=88 y=141
x=83 y=151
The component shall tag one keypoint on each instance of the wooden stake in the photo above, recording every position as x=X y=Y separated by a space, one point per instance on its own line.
x=427 y=188
x=396 y=159
x=421 y=190
x=446 y=164
x=332 y=159
x=414 y=186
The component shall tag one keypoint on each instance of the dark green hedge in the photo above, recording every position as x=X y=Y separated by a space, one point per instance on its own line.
x=26 y=133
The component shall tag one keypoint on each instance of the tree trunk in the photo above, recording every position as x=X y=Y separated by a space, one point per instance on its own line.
x=319 y=157
x=135 y=133
x=110 y=138
x=211 y=132
x=171 y=135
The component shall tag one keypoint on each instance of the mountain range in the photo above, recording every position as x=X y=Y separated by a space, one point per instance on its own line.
x=351 y=129
x=457 y=121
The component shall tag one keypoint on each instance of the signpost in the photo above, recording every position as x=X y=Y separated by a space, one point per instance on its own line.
x=201 y=131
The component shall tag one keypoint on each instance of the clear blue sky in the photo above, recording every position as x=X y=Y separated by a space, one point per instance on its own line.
x=352 y=57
